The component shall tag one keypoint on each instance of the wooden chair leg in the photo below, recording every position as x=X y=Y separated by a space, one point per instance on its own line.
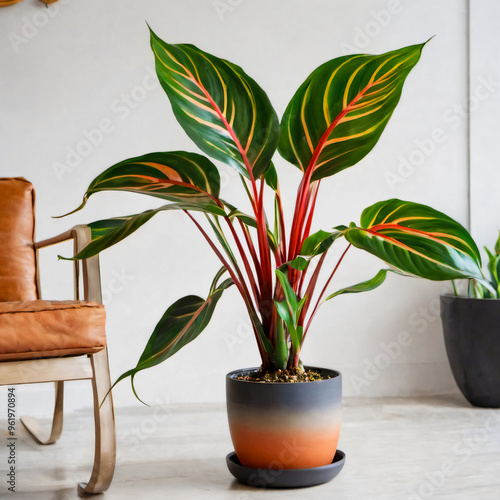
x=105 y=437
x=37 y=431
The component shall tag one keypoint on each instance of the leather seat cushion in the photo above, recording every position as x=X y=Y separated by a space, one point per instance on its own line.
x=40 y=329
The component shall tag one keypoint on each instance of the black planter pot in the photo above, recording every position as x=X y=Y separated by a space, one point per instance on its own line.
x=285 y=427
x=471 y=330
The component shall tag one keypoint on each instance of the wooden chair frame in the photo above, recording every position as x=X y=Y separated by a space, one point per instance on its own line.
x=93 y=366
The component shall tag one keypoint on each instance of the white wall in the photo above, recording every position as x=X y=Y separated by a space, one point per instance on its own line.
x=485 y=129
x=66 y=69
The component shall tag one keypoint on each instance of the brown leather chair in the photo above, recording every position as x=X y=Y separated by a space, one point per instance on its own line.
x=44 y=341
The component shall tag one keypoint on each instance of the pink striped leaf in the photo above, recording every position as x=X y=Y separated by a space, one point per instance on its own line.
x=182 y=322
x=108 y=232
x=338 y=114
x=174 y=176
x=224 y=111
x=417 y=240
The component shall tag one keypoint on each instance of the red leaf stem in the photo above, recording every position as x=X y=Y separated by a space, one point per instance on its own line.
x=293 y=231
x=251 y=249
x=312 y=206
x=265 y=260
x=311 y=286
x=301 y=281
x=239 y=285
x=318 y=302
x=248 y=269
x=302 y=200
x=282 y=227
x=307 y=229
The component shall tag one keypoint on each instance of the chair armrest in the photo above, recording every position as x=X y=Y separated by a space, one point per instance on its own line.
x=81 y=235
x=68 y=235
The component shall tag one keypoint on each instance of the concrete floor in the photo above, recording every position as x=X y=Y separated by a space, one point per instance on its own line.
x=404 y=449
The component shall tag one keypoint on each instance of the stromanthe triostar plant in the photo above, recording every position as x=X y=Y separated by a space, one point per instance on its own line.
x=487 y=289
x=332 y=122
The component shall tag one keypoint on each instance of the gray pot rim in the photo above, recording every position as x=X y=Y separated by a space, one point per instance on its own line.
x=463 y=297
x=231 y=376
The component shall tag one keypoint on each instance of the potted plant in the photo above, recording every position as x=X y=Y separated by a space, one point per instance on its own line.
x=332 y=122
x=472 y=336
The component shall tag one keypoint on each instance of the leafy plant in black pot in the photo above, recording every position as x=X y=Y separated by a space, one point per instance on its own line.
x=471 y=327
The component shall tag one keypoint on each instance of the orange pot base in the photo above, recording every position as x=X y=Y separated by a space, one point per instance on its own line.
x=277 y=449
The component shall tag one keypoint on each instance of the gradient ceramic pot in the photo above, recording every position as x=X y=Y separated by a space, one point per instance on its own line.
x=283 y=425
x=471 y=330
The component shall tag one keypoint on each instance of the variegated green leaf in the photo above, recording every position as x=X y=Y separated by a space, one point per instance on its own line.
x=234 y=212
x=271 y=177
x=106 y=233
x=290 y=296
x=481 y=290
x=315 y=244
x=493 y=266
x=220 y=107
x=215 y=281
x=417 y=240
x=173 y=176
x=299 y=263
x=497 y=245
x=364 y=286
x=182 y=323
x=338 y=114
x=281 y=358
x=290 y=309
x=318 y=242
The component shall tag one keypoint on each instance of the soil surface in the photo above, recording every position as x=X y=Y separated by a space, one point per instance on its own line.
x=290 y=376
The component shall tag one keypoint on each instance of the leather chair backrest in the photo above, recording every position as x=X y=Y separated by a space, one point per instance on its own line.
x=17 y=253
